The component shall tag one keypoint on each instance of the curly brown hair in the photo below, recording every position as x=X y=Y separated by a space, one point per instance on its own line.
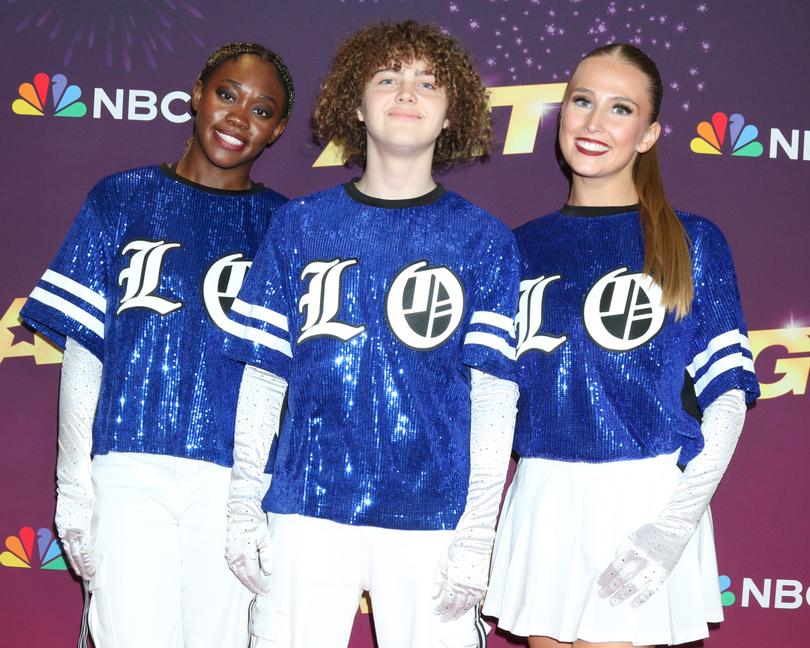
x=469 y=133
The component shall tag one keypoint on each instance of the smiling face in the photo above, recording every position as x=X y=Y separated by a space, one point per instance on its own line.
x=238 y=114
x=605 y=124
x=404 y=110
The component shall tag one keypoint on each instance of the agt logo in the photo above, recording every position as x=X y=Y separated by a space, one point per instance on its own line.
x=786 y=353
x=733 y=135
x=53 y=95
x=779 y=593
x=20 y=550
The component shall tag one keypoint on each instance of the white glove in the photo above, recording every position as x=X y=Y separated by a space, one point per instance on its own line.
x=247 y=543
x=462 y=574
x=653 y=550
x=79 y=389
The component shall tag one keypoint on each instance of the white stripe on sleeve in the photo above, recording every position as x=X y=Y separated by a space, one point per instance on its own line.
x=727 y=339
x=492 y=341
x=259 y=337
x=726 y=363
x=70 y=310
x=75 y=288
x=260 y=313
x=494 y=319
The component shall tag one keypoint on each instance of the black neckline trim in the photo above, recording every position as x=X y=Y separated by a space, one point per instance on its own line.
x=429 y=198
x=169 y=170
x=612 y=210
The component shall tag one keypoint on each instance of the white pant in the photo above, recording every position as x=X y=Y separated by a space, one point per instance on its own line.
x=321 y=568
x=159 y=539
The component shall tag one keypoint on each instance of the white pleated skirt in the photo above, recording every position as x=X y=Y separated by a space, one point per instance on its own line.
x=562 y=525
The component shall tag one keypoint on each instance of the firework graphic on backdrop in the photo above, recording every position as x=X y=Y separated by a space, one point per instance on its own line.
x=531 y=41
x=526 y=40
x=125 y=34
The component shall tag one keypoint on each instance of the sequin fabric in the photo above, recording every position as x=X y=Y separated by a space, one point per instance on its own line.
x=374 y=311
x=601 y=364
x=148 y=269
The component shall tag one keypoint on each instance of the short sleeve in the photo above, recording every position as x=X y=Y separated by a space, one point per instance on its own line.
x=70 y=300
x=259 y=328
x=720 y=352
x=489 y=341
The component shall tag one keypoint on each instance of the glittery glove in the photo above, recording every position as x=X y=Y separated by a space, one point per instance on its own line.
x=653 y=550
x=78 y=396
x=462 y=573
x=247 y=543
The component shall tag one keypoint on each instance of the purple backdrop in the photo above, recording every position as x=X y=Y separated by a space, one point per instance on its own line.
x=736 y=57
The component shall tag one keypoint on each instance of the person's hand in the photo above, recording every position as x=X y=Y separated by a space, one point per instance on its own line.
x=461 y=579
x=463 y=572
x=247 y=540
x=79 y=388
x=74 y=514
x=643 y=564
x=653 y=550
x=247 y=545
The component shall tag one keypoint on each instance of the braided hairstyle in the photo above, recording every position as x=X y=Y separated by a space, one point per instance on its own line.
x=235 y=50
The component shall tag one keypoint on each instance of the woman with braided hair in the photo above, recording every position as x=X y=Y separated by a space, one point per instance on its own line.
x=146 y=407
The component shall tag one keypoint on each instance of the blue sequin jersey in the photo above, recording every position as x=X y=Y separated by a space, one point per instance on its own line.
x=601 y=363
x=151 y=264
x=374 y=311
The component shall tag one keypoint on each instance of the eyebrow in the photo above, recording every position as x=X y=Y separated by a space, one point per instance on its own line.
x=614 y=98
x=238 y=86
x=399 y=69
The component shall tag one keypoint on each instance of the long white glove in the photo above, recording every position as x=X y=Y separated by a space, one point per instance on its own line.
x=79 y=389
x=462 y=574
x=247 y=543
x=653 y=550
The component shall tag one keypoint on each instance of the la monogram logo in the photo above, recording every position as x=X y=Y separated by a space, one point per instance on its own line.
x=623 y=310
x=323 y=299
x=143 y=275
x=221 y=284
x=424 y=305
x=530 y=318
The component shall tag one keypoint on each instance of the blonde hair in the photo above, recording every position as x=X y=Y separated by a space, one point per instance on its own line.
x=666 y=244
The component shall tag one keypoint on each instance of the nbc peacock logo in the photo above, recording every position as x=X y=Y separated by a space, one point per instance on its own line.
x=729 y=133
x=33 y=99
x=20 y=550
x=726 y=597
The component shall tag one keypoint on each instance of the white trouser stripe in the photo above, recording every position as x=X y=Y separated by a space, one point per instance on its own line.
x=84 y=631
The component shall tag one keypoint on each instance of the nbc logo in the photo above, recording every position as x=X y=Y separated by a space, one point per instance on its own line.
x=129 y=104
x=20 y=550
x=732 y=134
x=742 y=140
x=34 y=97
x=726 y=598
x=779 y=593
